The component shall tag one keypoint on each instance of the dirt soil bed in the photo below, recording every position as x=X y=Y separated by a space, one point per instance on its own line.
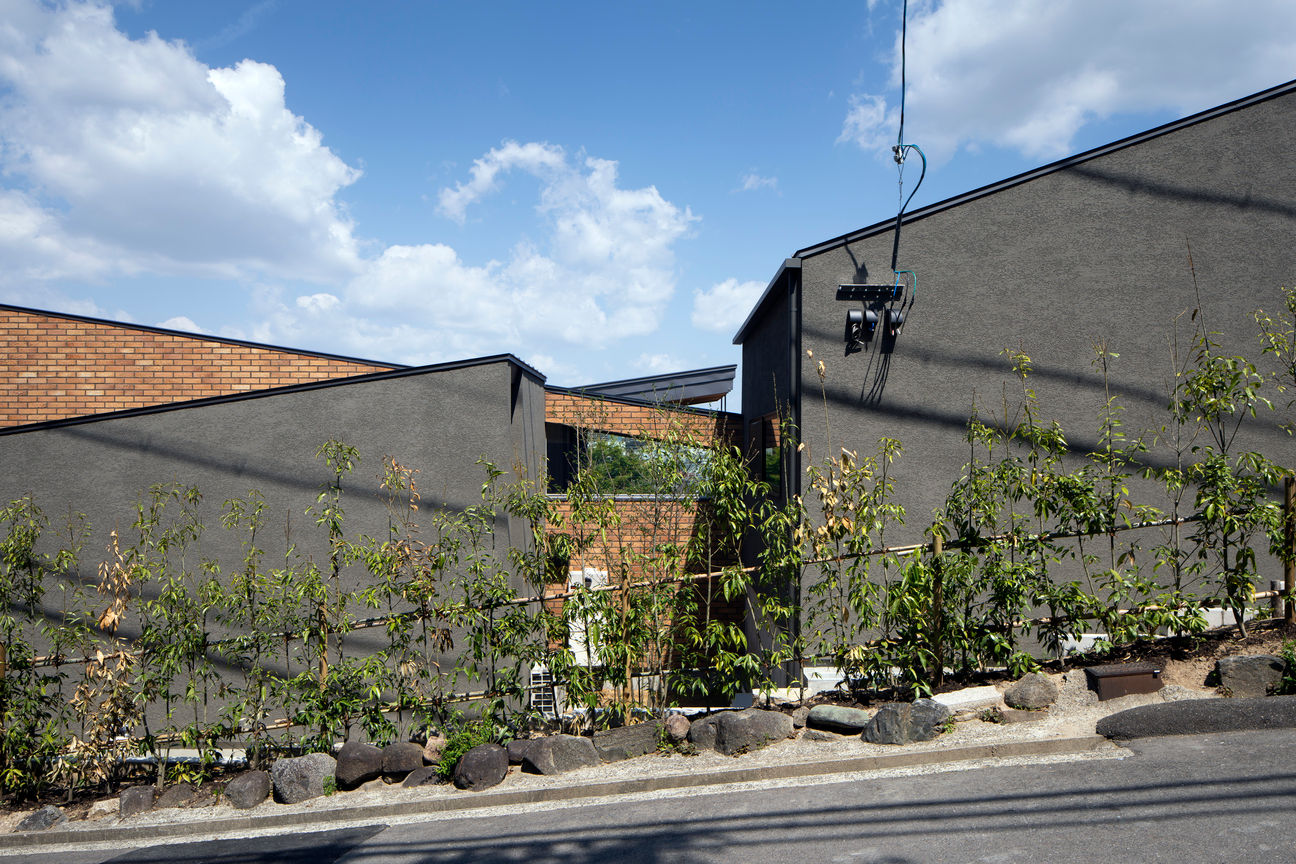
x=1187 y=665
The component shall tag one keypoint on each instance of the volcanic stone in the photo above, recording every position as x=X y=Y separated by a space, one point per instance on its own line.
x=400 y=759
x=1250 y=675
x=517 y=749
x=1031 y=693
x=677 y=727
x=627 y=742
x=425 y=776
x=906 y=723
x=358 y=762
x=43 y=819
x=837 y=718
x=750 y=729
x=481 y=767
x=703 y=732
x=248 y=790
x=433 y=748
x=136 y=800
x=558 y=754
x=301 y=777
x=179 y=795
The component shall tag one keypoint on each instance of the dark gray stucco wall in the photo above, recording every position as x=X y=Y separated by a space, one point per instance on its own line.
x=438 y=420
x=768 y=385
x=1097 y=251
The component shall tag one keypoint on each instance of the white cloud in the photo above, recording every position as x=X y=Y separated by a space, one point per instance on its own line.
x=122 y=157
x=180 y=322
x=1028 y=74
x=724 y=306
x=132 y=156
x=658 y=364
x=603 y=270
x=754 y=182
x=542 y=160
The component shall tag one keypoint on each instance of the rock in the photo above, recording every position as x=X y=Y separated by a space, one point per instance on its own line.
x=43 y=819
x=799 y=717
x=136 y=800
x=819 y=735
x=400 y=759
x=248 y=790
x=702 y=733
x=179 y=795
x=357 y=763
x=558 y=754
x=517 y=749
x=1249 y=675
x=425 y=776
x=301 y=777
x=1013 y=715
x=375 y=785
x=102 y=809
x=1031 y=693
x=613 y=745
x=906 y=723
x=971 y=699
x=750 y=729
x=433 y=748
x=677 y=728
x=837 y=718
x=481 y=767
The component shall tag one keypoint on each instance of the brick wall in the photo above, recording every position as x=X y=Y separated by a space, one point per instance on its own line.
x=54 y=367
x=650 y=421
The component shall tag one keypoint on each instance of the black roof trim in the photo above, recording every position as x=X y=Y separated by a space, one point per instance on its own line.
x=1052 y=167
x=788 y=264
x=638 y=403
x=674 y=387
x=201 y=336
x=402 y=372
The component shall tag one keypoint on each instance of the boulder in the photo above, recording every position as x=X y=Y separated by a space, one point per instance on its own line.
x=627 y=742
x=517 y=749
x=43 y=819
x=837 y=718
x=677 y=728
x=101 y=809
x=179 y=795
x=357 y=763
x=819 y=735
x=702 y=733
x=1249 y=675
x=433 y=748
x=301 y=777
x=136 y=800
x=425 y=776
x=248 y=790
x=1031 y=693
x=906 y=723
x=799 y=717
x=750 y=729
x=400 y=759
x=558 y=754
x=481 y=767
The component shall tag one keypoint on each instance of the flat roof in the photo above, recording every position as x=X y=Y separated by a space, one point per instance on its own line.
x=683 y=388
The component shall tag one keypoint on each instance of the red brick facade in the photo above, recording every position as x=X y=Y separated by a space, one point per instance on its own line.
x=640 y=420
x=53 y=367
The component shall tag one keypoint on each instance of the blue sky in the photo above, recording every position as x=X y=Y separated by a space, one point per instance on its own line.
x=601 y=189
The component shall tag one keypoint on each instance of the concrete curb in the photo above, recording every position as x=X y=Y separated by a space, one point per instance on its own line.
x=471 y=801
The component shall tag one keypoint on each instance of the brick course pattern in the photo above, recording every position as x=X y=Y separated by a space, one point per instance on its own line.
x=648 y=421
x=52 y=368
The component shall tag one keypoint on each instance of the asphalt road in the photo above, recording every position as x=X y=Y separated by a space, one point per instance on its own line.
x=1220 y=797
